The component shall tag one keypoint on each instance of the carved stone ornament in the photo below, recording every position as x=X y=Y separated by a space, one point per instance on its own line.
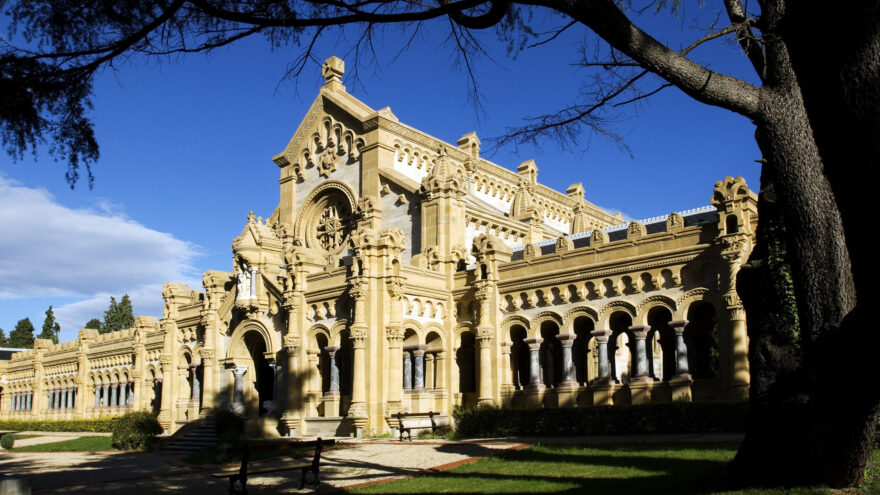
x=446 y=179
x=330 y=223
x=327 y=163
x=292 y=341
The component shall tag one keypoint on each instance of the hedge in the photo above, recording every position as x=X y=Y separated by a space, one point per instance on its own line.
x=674 y=417
x=135 y=430
x=76 y=425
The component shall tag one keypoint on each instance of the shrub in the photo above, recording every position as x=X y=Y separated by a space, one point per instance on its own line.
x=135 y=430
x=7 y=441
x=230 y=427
x=75 y=425
x=675 y=417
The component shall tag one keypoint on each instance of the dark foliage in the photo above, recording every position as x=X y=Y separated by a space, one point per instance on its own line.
x=676 y=417
x=136 y=430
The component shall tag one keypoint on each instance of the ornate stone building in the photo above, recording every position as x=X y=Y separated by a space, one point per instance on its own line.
x=403 y=273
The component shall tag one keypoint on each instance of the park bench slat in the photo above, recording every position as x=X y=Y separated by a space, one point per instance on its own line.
x=240 y=475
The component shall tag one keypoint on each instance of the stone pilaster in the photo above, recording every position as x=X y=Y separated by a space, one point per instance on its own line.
x=293 y=397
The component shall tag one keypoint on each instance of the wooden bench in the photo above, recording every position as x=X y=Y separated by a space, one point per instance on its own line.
x=421 y=421
x=241 y=474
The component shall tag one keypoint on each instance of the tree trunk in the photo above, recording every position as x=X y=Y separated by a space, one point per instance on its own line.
x=815 y=422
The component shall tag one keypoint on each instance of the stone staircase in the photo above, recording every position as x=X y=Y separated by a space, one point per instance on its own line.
x=201 y=436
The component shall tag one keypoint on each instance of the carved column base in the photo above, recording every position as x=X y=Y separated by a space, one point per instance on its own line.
x=485 y=402
x=681 y=388
x=357 y=414
x=290 y=422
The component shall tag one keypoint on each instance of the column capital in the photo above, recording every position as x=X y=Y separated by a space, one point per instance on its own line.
x=239 y=370
x=485 y=333
x=534 y=343
x=394 y=334
x=678 y=325
x=601 y=335
x=331 y=350
x=640 y=332
x=566 y=339
x=292 y=342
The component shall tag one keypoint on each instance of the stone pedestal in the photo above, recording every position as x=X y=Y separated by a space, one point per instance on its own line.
x=681 y=388
x=421 y=402
x=567 y=395
x=331 y=404
x=603 y=393
x=534 y=397
x=640 y=392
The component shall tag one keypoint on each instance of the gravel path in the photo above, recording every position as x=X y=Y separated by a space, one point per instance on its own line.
x=135 y=473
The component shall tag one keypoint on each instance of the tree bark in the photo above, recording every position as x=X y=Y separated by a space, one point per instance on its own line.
x=815 y=423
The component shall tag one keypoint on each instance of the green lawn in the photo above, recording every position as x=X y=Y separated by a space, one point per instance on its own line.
x=76 y=444
x=617 y=469
x=23 y=437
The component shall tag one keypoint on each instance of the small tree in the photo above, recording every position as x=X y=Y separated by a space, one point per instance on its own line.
x=22 y=336
x=51 y=328
x=118 y=316
x=94 y=324
x=4 y=342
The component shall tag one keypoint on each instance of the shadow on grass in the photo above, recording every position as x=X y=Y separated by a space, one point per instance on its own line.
x=605 y=469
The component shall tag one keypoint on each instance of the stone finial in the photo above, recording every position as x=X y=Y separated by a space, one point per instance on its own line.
x=575 y=191
x=470 y=144
x=333 y=69
x=529 y=170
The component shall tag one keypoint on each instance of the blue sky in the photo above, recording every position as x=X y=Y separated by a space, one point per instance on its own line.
x=186 y=147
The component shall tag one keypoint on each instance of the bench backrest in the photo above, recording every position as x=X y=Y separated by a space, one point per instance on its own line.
x=317 y=458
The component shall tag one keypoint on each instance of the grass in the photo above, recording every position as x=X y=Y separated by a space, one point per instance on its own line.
x=680 y=468
x=82 y=444
x=24 y=437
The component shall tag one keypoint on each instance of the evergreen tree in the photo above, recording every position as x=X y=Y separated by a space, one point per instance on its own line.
x=118 y=316
x=94 y=324
x=22 y=336
x=3 y=340
x=51 y=328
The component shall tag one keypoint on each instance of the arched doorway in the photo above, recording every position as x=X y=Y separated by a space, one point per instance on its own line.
x=661 y=344
x=260 y=393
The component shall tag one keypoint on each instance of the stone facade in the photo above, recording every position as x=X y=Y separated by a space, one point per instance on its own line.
x=402 y=273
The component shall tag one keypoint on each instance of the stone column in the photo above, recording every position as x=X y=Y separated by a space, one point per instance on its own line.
x=357 y=411
x=293 y=394
x=407 y=370
x=238 y=389
x=15 y=402
x=640 y=384
x=506 y=372
x=68 y=398
x=429 y=371
x=602 y=350
x=106 y=395
x=484 y=339
x=640 y=358
x=123 y=392
x=97 y=396
x=196 y=386
x=680 y=383
x=568 y=374
x=681 y=358
x=334 y=371
x=114 y=395
x=57 y=399
x=440 y=373
x=419 y=369
x=165 y=402
x=535 y=382
x=30 y=398
x=253 y=294
x=396 y=374
x=485 y=332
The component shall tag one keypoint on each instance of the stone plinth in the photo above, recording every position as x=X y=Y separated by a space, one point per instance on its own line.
x=603 y=394
x=681 y=388
x=640 y=392
x=566 y=395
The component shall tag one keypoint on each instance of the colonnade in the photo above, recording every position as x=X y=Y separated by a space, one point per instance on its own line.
x=62 y=398
x=22 y=401
x=119 y=394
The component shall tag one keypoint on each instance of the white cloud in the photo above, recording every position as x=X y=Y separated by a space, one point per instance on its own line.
x=48 y=249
